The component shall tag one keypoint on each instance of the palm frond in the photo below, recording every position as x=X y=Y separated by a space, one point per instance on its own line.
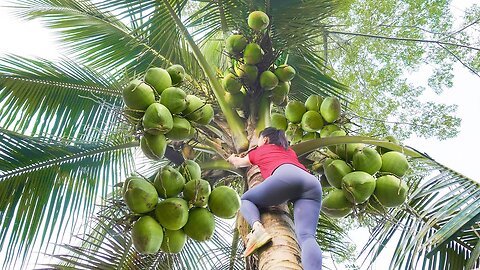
x=59 y=100
x=439 y=227
x=47 y=186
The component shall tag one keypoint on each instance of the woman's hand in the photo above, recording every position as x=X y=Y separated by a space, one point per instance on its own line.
x=238 y=162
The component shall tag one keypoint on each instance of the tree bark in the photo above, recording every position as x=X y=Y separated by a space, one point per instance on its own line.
x=283 y=252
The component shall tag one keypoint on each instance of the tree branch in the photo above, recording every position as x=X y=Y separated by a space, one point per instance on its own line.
x=459 y=60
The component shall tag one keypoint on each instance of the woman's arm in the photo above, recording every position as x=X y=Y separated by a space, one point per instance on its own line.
x=239 y=161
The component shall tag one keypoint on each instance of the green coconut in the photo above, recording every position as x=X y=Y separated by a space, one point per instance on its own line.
x=313 y=103
x=247 y=72
x=235 y=100
x=253 y=54
x=394 y=162
x=335 y=171
x=280 y=92
x=224 y=202
x=294 y=111
x=147 y=235
x=330 y=109
x=285 y=73
x=175 y=99
x=336 y=133
x=173 y=241
x=358 y=186
x=207 y=115
x=177 y=74
x=279 y=121
x=294 y=133
x=157 y=119
x=138 y=95
x=235 y=44
x=139 y=195
x=346 y=151
x=231 y=83
x=181 y=130
x=328 y=129
x=383 y=150
x=196 y=192
x=258 y=20
x=169 y=182
x=310 y=136
x=367 y=159
x=390 y=191
x=190 y=170
x=336 y=205
x=172 y=213
x=153 y=146
x=268 y=80
x=158 y=78
x=200 y=225
x=312 y=121
x=193 y=111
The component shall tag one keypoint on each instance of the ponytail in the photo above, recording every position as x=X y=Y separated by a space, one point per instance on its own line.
x=275 y=136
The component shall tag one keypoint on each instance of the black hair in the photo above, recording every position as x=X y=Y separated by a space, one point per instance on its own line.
x=275 y=136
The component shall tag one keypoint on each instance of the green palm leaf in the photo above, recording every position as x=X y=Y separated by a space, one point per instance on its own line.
x=47 y=185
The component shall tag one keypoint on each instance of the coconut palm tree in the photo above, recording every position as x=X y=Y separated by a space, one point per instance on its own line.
x=66 y=141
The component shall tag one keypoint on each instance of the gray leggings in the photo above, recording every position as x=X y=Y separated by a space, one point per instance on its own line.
x=291 y=183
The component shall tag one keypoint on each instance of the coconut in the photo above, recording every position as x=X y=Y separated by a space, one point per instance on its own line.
x=235 y=44
x=313 y=103
x=224 y=202
x=181 y=130
x=193 y=111
x=278 y=121
x=390 y=191
x=285 y=73
x=207 y=115
x=173 y=241
x=367 y=159
x=247 y=72
x=358 y=186
x=177 y=74
x=147 y=235
x=258 y=20
x=200 y=225
x=231 y=83
x=336 y=133
x=328 y=129
x=394 y=162
x=172 y=213
x=139 y=195
x=383 y=150
x=158 y=78
x=169 y=182
x=235 y=100
x=138 y=95
x=312 y=121
x=294 y=111
x=196 y=192
x=253 y=54
x=280 y=92
x=346 y=151
x=336 y=205
x=174 y=99
x=294 y=133
x=310 y=136
x=153 y=146
x=330 y=109
x=335 y=171
x=157 y=119
x=190 y=170
x=268 y=80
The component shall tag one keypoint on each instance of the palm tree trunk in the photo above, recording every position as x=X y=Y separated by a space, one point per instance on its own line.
x=283 y=252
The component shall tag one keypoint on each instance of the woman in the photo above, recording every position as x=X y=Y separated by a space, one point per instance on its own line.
x=286 y=179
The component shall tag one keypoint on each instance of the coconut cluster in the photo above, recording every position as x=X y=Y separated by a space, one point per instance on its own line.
x=317 y=117
x=363 y=178
x=251 y=71
x=178 y=204
x=162 y=110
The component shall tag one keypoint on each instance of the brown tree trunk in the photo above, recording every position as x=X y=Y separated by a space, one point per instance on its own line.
x=283 y=252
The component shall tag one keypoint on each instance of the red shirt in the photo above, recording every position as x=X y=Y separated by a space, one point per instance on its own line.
x=268 y=157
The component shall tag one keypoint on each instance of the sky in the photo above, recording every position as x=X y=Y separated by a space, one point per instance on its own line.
x=29 y=38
